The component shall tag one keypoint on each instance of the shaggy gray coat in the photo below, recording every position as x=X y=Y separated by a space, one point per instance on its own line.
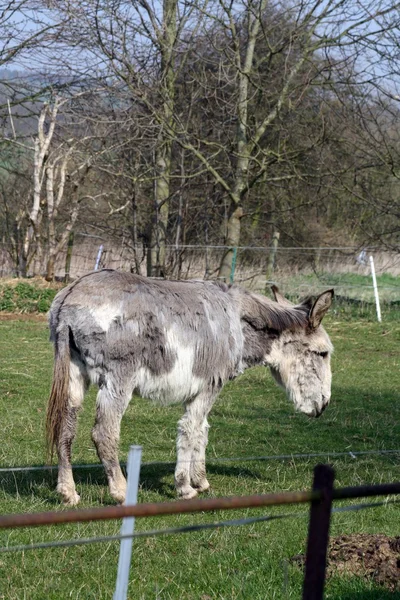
x=170 y=341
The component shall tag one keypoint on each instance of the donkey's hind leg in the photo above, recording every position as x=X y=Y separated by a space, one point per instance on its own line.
x=78 y=385
x=112 y=401
x=190 y=472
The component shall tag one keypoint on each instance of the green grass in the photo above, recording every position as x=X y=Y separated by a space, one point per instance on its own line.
x=251 y=418
x=354 y=293
x=351 y=285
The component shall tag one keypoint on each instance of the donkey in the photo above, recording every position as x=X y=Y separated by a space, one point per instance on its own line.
x=173 y=341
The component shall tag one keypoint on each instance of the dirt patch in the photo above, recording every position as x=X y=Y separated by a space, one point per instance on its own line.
x=374 y=557
x=5 y=316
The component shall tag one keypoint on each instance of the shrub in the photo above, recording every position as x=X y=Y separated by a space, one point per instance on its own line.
x=25 y=298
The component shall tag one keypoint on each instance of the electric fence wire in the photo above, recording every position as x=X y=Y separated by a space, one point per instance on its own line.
x=348 y=453
x=188 y=528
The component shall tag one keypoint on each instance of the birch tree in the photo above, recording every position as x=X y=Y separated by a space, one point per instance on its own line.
x=59 y=167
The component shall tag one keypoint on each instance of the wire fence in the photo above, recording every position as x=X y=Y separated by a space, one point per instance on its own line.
x=298 y=271
x=188 y=528
x=353 y=454
x=320 y=499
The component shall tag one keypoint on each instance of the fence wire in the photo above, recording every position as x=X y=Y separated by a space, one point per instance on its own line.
x=297 y=269
x=348 y=453
x=189 y=528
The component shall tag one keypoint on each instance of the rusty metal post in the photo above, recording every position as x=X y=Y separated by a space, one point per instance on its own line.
x=318 y=534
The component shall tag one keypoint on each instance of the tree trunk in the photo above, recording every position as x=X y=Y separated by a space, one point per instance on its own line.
x=161 y=211
x=50 y=269
x=68 y=258
x=232 y=240
x=49 y=174
x=22 y=264
x=166 y=40
x=135 y=240
x=244 y=65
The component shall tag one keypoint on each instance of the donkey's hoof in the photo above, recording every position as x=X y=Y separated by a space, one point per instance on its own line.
x=187 y=493
x=119 y=496
x=203 y=486
x=69 y=498
x=72 y=500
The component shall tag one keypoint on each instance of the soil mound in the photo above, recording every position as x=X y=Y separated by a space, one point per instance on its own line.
x=375 y=557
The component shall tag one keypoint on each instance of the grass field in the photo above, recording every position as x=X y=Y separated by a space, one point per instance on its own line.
x=251 y=418
x=354 y=292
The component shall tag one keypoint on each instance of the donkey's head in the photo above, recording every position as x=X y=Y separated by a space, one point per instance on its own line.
x=299 y=358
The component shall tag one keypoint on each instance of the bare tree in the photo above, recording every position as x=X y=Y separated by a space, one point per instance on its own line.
x=60 y=156
x=310 y=39
x=137 y=47
x=226 y=108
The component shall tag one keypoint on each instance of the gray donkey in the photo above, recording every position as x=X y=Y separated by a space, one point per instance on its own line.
x=173 y=341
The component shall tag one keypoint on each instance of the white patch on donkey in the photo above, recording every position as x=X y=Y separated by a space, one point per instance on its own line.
x=173 y=341
x=175 y=386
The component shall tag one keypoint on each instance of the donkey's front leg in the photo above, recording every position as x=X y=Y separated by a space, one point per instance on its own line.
x=190 y=472
x=198 y=477
x=105 y=434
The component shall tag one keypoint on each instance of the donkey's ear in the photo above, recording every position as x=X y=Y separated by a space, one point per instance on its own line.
x=320 y=307
x=279 y=298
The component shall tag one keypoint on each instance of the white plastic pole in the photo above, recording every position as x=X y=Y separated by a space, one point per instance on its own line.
x=128 y=524
x=99 y=253
x=378 y=307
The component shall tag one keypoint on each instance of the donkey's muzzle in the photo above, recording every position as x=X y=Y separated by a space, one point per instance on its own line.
x=319 y=412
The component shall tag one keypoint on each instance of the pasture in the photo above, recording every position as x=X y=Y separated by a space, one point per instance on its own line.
x=251 y=418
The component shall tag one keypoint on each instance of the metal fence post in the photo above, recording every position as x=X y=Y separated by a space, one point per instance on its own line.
x=233 y=266
x=318 y=534
x=128 y=524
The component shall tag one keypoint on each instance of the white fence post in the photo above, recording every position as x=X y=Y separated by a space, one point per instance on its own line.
x=98 y=258
x=128 y=524
x=378 y=307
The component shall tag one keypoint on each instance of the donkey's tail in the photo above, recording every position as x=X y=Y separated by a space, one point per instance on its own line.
x=59 y=395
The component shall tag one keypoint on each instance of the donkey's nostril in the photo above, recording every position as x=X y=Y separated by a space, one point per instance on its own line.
x=319 y=412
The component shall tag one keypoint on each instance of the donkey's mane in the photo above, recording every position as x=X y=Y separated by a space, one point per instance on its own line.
x=263 y=313
x=286 y=317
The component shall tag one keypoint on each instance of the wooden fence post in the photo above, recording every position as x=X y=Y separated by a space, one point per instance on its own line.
x=69 y=256
x=318 y=534
x=272 y=257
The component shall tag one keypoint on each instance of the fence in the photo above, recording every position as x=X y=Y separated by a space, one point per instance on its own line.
x=252 y=265
x=320 y=499
x=297 y=271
